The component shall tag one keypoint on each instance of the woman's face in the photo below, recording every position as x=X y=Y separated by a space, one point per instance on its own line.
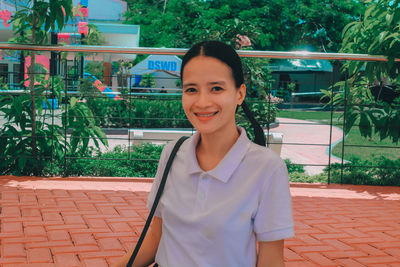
x=210 y=96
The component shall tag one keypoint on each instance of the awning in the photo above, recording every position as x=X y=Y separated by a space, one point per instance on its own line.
x=297 y=65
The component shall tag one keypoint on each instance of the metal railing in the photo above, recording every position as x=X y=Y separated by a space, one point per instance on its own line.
x=182 y=51
x=132 y=97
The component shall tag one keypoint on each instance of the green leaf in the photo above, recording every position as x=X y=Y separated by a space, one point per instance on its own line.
x=389 y=19
x=373 y=47
x=395 y=41
x=74 y=141
x=101 y=135
x=21 y=163
x=382 y=36
x=350 y=120
x=368 y=12
x=17 y=106
x=365 y=126
x=348 y=27
x=23 y=121
x=6 y=100
x=370 y=71
x=354 y=67
x=85 y=141
x=73 y=101
x=3 y=143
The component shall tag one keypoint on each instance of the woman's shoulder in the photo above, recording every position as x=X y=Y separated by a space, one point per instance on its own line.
x=263 y=156
x=167 y=150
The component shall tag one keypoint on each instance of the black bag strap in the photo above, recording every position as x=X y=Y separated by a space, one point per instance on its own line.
x=157 y=199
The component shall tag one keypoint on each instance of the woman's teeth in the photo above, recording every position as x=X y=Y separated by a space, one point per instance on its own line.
x=207 y=115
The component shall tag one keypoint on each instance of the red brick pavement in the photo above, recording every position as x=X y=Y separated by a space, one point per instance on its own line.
x=93 y=221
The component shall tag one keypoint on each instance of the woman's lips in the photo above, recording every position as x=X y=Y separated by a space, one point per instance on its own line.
x=205 y=116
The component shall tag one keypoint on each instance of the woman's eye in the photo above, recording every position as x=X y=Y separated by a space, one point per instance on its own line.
x=217 y=89
x=190 y=90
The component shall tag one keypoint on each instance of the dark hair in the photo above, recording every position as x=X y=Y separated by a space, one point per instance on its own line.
x=218 y=50
x=227 y=55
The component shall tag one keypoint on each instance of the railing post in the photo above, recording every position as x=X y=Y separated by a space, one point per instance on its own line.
x=53 y=72
x=65 y=117
x=344 y=124
x=330 y=128
x=130 y=96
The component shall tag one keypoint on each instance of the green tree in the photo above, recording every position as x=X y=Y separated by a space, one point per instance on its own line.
x=321 y=22
x=376 y=33
x=270 y=24
x=29 y=141
x=147 y=81
x=31 y=24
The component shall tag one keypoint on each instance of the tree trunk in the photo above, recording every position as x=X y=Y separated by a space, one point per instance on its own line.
x=32 y=84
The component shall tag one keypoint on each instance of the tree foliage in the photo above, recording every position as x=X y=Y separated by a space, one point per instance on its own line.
x=28 y=140
x=377 y=32
x=270 y=24
x=372 y=91
x=33 y=22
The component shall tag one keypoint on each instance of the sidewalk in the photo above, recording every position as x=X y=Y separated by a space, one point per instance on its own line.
x=93 y=221
x=306 y=142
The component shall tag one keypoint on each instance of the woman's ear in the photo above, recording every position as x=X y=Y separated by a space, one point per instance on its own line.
x=241 y=93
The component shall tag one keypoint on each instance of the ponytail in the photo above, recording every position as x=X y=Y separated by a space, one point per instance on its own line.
x=258 y=131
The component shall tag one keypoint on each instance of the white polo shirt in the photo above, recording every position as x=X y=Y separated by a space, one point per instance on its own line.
x=214 y=218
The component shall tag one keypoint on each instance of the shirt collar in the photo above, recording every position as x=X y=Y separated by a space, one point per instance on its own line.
x=227 y=165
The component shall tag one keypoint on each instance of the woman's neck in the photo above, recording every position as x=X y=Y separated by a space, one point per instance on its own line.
x=212 y=148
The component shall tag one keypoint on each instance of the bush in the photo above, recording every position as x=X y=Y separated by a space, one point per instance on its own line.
x=301 y=177
x=140 y=161
x=139 y=113
x=294 y=167
x=380 y=171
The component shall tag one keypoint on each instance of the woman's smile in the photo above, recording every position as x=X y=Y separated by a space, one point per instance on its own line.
x=205 y=116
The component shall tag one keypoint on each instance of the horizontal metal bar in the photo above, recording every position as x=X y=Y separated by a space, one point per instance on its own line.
x=131 y=159
x=182 y=51
x=369 y=146
x=371 y=167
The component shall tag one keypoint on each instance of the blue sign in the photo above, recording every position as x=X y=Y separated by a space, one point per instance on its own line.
x=162 y=65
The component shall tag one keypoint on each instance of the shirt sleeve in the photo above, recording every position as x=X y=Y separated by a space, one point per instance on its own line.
x=274 y=219
x=157 y=179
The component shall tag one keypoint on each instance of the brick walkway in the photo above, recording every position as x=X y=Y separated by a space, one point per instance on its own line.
x=91 y=222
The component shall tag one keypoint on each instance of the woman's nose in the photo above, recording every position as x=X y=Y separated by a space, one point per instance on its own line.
x=203 y=100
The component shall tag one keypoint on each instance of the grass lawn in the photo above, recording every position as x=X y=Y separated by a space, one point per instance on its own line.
x=317 y=116
x=353 y=140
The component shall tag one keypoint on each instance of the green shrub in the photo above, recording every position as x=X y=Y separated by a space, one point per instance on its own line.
x=379 y=171
x=140 y=161
x=139 y=113
x=301 y=177
x=291 y=167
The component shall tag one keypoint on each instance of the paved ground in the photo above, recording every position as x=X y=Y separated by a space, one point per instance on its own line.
x=93 y=221
x=307 y=143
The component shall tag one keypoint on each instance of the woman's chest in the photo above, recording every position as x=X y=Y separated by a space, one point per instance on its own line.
x=210 y=206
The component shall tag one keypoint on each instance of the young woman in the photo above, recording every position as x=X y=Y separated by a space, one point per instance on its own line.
x=224 y=193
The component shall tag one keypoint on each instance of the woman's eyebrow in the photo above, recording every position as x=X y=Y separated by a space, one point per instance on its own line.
x=189 y=84
x=217 y=82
